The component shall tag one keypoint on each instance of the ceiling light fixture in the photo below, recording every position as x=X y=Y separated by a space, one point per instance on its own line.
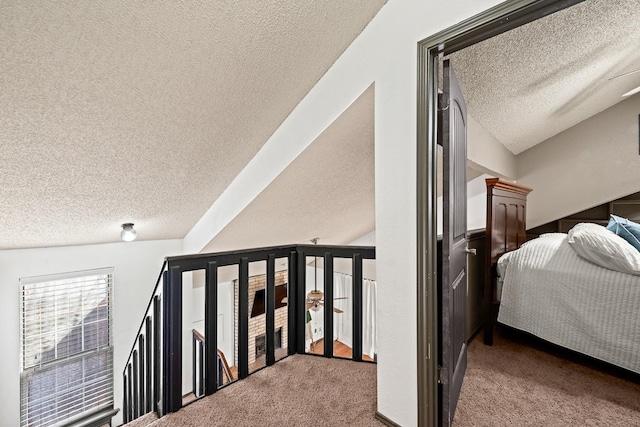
x=128 y=234
x=632 y=92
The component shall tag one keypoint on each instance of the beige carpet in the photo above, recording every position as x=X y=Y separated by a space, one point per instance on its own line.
x=517 y=382
x=521 y=381
x=300 y=390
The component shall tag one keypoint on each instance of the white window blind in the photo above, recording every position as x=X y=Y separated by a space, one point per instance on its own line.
x=67 y=358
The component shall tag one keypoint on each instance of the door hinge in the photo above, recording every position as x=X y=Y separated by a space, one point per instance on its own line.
x=441 y=373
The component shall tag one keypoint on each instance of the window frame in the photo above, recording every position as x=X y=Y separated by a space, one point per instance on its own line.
x=93 y=389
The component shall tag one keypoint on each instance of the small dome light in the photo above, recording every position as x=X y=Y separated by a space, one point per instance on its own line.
x=128 y=234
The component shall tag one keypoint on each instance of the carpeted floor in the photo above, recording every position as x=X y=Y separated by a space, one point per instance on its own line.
x=521 y=381
x=300 y=390
x=517 y=382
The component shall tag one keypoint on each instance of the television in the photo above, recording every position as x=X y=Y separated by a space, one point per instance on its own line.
x=259 y=300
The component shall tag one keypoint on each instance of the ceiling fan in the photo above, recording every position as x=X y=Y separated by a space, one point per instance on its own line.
x=315 y=298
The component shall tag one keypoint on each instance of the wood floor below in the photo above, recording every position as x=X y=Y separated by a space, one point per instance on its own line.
x=339 y=350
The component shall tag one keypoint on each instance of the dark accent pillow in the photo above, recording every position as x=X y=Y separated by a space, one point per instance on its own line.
x=628 y=230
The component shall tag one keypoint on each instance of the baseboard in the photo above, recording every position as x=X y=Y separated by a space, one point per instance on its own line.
x=386 y=420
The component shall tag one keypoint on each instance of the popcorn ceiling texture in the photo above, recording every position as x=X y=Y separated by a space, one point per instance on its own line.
x=327 y=192
x=533 y=82
x=114 y=112
x=145 y=112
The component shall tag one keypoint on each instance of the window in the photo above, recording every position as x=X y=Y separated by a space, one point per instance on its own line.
x=67 y=357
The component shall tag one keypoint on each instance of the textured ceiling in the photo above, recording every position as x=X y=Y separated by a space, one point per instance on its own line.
x=535 y=81
x=115 y=111
x=327 y=192
x=520 y=86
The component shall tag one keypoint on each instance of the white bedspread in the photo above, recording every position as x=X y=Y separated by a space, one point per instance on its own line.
x=553 y=293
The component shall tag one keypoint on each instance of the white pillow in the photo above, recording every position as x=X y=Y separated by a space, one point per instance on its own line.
x=604 y=248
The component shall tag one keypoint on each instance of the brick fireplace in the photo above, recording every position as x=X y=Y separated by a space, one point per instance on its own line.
x=257 y=324
x=261 y=342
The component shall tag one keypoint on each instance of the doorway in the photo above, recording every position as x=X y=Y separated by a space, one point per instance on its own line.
x=497 y=20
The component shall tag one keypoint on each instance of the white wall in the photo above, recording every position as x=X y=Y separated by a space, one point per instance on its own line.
x=226 y=316
x=384 y=53
x=589 y=164
x=188 y=302
x=476 y=204
x=136 y=269
x=487 y=154
x=368 y=239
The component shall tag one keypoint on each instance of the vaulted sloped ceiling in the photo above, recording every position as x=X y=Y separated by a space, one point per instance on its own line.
x=114 y=111
x=134 y=111
x=529 y=84
x=327 y=192
x=524 y=86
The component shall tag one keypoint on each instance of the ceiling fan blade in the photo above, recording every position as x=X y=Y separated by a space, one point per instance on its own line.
x=309 y=305
x=337 y=310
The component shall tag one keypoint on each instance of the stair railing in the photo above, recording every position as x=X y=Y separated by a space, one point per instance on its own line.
x=153 y=373
x=198 y=351
x=224 y=372
x=197 y=345
x=142 y=379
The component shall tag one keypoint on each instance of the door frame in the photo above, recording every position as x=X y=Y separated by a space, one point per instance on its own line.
x=499 y=19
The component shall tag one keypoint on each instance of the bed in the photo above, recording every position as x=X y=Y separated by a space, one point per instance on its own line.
x=547 y=287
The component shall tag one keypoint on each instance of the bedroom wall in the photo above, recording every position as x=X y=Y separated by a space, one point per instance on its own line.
x=384 y=53
x=589 y=164
x=476 y=204
x=136 y=269
x=486 y=154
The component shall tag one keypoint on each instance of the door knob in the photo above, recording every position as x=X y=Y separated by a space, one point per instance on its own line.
x=470 y=251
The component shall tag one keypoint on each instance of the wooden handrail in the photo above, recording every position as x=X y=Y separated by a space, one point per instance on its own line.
x=225 y=365
x=198 y=335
